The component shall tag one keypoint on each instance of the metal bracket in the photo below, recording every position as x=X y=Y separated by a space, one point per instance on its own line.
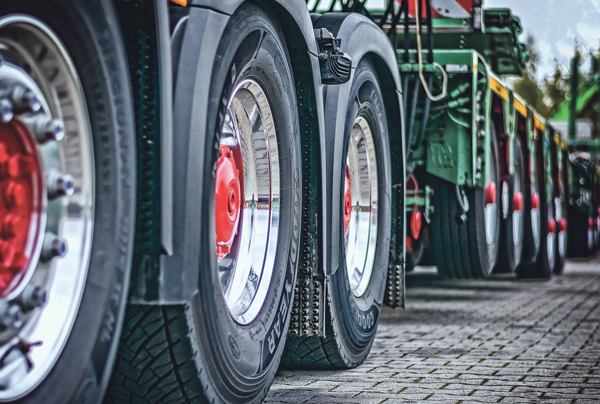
x=336 y=66
x=420 y=200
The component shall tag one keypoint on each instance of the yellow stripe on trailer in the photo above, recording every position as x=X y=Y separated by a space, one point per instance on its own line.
x=557 y=139
x=538 y=123
x=498 y=88
x=520 y=108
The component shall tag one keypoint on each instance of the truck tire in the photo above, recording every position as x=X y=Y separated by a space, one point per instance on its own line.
x=560 y=210
x=67 y=147
x=512 y=228
x=356 y=289
x=467 y=249
x=581 y=237
x=531 y=218
x=543 y=267
x=225 y=344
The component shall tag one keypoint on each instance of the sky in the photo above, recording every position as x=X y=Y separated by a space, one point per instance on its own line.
x=557 y=26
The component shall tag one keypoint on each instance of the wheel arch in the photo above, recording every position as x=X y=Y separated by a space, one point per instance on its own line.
x=361 y=39
x=193 y=48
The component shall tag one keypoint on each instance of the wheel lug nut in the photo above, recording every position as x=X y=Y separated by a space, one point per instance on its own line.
x=47 y=129
x=6 y=111
x=59 y=184
x=11 y=316
x=53 y=247
x=24 y=100
x=32 y=297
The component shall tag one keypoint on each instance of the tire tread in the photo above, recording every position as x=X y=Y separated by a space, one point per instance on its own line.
x=155 y=359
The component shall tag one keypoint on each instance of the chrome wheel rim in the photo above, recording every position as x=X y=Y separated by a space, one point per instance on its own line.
x=550 y=237
x=517 y=214
x=491 y=205
x=561 y=215
x=49 y=292
x=535 y=211
x=361 y=231
x=246 y=267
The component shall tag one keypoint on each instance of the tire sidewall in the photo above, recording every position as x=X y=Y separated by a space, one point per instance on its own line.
x=88 y=31
x=223 y=342
x=488 y=253
x=358 y=316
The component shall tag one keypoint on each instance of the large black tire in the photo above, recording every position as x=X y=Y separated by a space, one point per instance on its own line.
x=531 y=217
x=581 y=240
x=512 y=227
x=560 y=214
x=198 y=352
x=90 y=33
x=544 y=265
x=462 y=249
x=352 y=320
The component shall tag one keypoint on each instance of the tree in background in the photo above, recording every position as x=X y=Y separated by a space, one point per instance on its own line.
x=527 y=86
x=556 y=89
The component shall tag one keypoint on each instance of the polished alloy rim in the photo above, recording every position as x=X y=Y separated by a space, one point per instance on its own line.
x=561 y=221
x=491 y=205
x=247 y=196
x=517 y=214
x=535 y=203
x=362 y=188
x=48 y=201
x=550 y=237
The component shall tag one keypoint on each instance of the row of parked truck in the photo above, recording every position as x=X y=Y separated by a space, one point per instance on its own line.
x=197 y=192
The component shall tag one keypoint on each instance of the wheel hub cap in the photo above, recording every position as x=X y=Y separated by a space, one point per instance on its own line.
x=361 y=241
x=46 y=201
x=347 y=202
x=490 y=193
x=21 y=203
x=247 y=198
x=416 y=217
x=227 y=201
x=518 y=201
x=535 y=201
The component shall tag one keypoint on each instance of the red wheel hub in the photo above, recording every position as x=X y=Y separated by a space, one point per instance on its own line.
x=416 y=216
x=347 y=201
x=227 y=201
x=535 y=201
x=489 y=193
x=562 y=225
x=21 y=202
x=518 y=201
x=551 y=226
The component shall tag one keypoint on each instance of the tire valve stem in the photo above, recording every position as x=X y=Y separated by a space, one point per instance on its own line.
x=24 y=348
x=53 y=247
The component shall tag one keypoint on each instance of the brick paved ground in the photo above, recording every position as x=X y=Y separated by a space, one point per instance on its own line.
x=499 y=340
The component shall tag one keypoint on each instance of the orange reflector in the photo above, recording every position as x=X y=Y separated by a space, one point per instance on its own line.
x=180 y=2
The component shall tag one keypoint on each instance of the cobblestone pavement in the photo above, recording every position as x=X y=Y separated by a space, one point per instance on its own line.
x=499 y=340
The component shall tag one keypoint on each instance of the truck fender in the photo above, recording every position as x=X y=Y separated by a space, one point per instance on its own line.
x=195 y=41
x=360 y=38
